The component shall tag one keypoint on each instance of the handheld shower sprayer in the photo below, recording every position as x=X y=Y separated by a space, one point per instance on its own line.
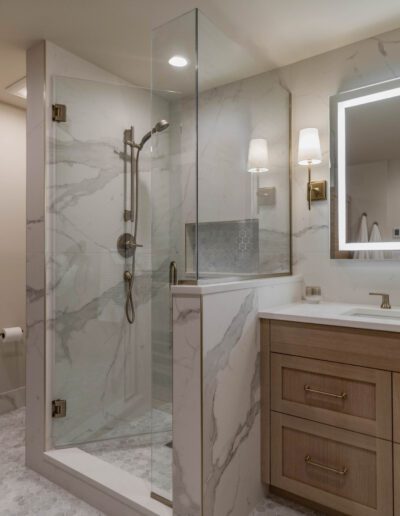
x=127 y=244
x=158 y=128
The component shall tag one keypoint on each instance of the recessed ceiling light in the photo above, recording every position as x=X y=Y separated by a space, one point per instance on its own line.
x=178 y=61
x=18 y=88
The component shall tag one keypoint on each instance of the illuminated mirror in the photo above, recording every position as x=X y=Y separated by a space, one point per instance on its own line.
x=365 y=172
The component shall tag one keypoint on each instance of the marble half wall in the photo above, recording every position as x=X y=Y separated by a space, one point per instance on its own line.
x=187 y=351
x=217 y=362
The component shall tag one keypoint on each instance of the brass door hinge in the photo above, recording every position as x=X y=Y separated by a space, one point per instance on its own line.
x=59 y=408
x=59 y=113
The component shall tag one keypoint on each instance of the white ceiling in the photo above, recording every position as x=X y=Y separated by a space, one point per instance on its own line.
x=115 y=34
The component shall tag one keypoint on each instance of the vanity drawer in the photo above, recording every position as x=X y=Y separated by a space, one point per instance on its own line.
x=350 y=397
x=368 y=348
x=396 y=408
x=346 y=471
x=396 y=475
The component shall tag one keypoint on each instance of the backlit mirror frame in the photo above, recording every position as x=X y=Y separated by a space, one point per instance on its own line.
x=339 y=103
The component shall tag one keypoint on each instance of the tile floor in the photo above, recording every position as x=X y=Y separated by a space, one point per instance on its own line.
x=137 y=456
x=22 y=491
x=25 y=493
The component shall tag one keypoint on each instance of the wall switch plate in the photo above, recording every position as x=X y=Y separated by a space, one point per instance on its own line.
x=266 y=196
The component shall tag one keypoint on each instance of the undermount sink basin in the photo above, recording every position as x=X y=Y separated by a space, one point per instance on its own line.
x=380 y=313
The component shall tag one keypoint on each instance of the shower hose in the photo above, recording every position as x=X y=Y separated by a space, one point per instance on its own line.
x=129 y=306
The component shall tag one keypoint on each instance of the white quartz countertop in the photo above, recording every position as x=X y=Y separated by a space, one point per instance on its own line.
x=337 y=314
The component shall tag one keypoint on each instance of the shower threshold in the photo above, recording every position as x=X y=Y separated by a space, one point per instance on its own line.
x=132 y=492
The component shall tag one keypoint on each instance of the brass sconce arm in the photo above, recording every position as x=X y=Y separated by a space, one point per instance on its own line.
x=316 y=190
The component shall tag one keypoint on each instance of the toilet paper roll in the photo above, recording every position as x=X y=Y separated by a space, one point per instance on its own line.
x=12 y=334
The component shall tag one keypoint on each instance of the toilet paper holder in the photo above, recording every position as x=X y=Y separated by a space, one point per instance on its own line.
x=13 y=334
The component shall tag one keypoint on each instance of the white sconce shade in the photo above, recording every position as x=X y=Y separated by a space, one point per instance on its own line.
x=309 y=147
x=258 y=155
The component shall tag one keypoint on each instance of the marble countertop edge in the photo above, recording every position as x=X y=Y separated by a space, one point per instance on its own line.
x=333 y=314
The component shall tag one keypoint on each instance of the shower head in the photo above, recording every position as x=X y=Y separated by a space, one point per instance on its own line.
x=158 y=128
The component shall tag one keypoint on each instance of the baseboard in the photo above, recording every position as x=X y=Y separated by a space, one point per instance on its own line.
x=12 y=400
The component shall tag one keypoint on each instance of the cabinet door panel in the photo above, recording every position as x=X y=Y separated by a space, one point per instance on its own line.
x=349 y=397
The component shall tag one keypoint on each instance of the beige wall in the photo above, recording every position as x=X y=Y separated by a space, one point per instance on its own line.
x=12 y=252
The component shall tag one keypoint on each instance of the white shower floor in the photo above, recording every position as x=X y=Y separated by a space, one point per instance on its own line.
x=127 y=425
x=133 y=456
x=143 y=451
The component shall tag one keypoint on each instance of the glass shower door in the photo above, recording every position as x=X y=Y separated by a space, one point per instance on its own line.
x=173 y=200
x=102 y=363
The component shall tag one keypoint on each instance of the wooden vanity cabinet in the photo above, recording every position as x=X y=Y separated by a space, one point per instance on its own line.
x=396 y=444
x=330 y=407
x=346 y=471
x=345 y=396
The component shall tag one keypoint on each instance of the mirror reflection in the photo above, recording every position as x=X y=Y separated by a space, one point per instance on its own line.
x=365 y=159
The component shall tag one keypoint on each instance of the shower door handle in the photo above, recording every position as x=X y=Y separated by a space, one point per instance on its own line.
x=173 y=273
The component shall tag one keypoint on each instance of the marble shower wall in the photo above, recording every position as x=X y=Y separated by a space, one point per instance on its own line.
x=312 y=82
x=229 y=116
x=101 y=363
x=216 y=367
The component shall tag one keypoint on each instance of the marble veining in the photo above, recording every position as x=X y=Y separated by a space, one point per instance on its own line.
x=225 y=350
x=229 y=116
x=96 y=350
x=187 y=491
x=231 y=387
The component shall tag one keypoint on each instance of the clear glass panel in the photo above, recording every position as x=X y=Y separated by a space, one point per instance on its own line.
x=102 y=363
x=199 y=210
x=173 y=181
x=243 y=217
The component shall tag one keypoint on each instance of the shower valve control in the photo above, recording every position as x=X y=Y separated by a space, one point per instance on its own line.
x=126 y=245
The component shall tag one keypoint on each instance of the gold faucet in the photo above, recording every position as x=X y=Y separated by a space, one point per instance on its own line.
x=385 y=299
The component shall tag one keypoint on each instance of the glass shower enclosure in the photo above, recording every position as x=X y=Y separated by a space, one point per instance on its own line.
x=202 y=217
x=226 y=223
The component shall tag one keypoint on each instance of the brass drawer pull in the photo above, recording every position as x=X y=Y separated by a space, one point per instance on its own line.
x=310 y=462
x=342 y=395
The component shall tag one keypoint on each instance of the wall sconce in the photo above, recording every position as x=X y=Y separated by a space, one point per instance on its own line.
x=310 y=154
x=258 y=156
